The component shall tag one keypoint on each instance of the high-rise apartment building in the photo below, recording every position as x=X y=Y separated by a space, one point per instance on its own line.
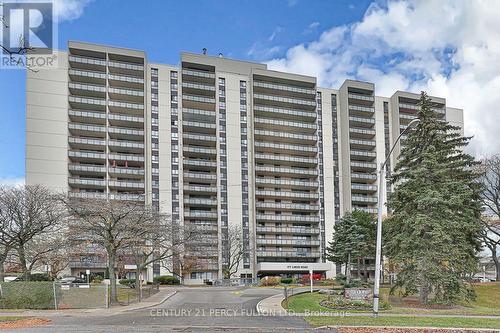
x=215 y=143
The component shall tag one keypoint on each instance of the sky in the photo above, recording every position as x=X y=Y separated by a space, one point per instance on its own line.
x=449 y=48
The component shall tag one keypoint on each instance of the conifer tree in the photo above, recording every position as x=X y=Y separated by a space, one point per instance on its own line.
x=433 y=235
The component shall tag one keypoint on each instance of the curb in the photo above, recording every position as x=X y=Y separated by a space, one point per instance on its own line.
x=152 y=305
x=259 y=309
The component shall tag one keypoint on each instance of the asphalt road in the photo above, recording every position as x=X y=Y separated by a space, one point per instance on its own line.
x=189 y=310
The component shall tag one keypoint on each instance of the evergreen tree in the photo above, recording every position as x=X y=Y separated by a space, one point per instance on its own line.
x=353 y=239
x=433 y=235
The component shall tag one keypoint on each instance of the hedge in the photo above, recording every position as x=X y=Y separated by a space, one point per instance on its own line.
x=166 y=279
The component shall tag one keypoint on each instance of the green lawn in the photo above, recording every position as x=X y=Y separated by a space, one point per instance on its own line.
x=407 y=321
x=4 y=319
x=487 y=303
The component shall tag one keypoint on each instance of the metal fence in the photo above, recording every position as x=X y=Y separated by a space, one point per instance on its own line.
x=57 y=295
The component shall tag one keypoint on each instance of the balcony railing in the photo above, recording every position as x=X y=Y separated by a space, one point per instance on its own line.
x=200 y=214
x=363 y=165
x=364 y=199
x=361 y=121
x=286 y=182
x=287 y=230
x=287 y=194
x=126 y=157
x=286 y=158
x=361 y=97
x=126 y=65
x=86 y=168
x=126 y=197
x=200 y=99
x=87 y=195
x=200 y=175
x=200 y=163
x=288 y=218
x=87 y=60
x=287 y=170
x=285 y=146
x=285 y=135
x=200 y=202
x=86 y=142
x=292 y=242
x=287 y=206
x=301 y=126
x=196 y=73
x=126 y=184
x=87 y=181
x=126 y=171
x=198 y=86
x=91 y=116
x=285 y=113
x=288 y=100
x=364 y=187
x=87 y=155
x=287 y=254
x=200 y=188
x=284 y=87
x=365 y=209
x=363 y=176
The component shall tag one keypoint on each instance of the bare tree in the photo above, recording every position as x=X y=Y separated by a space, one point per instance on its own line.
x=491 y=201
x=112 y=224
x=233 y=251
x=159 y=239
x=26 y=213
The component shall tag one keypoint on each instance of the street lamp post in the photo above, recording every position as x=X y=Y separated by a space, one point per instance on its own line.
x=378 y=255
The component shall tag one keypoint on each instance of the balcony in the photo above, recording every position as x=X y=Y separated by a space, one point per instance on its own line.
x=285 y=159
x=285 y=147
x=126 y=197
x=199 y=139
x=364 y=133
x=287 y=194
x=286 y=171
x=124 y=172
x=84 y=169
x=125 y=81
x=287 y=254
x=86 y=143
x=133 y=95
x=87 y=62
x=200 y=202
x=363 y=188
x=199 y=176
x=126 y=107
x=200 y=214
x=363 y=199
x=362 y=144
x=295 y=183
x=363 y=155
x=126 y=146
x=199 y=74
x=126 y=185
x=87 y=156
x=193 y=163
x=198 y=99
x=198 y=88
x=287 y=218
x=269 y=123
x=287 y=230
x=363 y=177
x=284 y=113
x=286 y=206
x=198 y=115
x=285 y=101
x=92 y=117
x=194 y=151
x=406 y=118
x=125 y=120
x=284 y=136
x=87 y=182
x=87 y=102
x=361 y=122
x=87 y=76
x=288 y=242
x=124 y=133
x=87 y=130
x=136 y=159
x=199 y=189
x=127 y=68
x=366 y=209
x=361 y=111
x=360 y=98
x=363 y=166
x=196 y=126
x=285 y=88
x=89 y=90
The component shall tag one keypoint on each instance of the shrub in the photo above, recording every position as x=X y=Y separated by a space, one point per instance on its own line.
x=97 y=279
x=127 y=282
x=166 y=279
x=28 y=295
x=270 y=281
x=286 y=280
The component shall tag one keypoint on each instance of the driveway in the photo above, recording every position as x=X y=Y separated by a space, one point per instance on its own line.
x=207 y=309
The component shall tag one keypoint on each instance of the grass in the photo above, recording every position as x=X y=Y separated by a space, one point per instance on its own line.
x=406 y=321
x=486 y=303
x=5 y=319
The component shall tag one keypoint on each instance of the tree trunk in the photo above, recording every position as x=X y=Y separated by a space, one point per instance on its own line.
x=365 y=272
x=2 y=271
x=112 y=275
x=359 y=268
x=424 y=293
x=138 y=282
x=348 y=267
x=497 y=263
x=22 y=261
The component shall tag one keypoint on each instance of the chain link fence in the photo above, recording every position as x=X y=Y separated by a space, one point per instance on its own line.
x=57 y=295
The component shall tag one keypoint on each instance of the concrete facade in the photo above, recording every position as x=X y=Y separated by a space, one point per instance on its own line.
x=215 y=143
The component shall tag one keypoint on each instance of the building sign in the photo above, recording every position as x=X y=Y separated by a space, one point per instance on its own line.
x=358 y=294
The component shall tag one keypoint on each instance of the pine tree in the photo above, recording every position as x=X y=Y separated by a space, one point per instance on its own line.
x=433 y=233
x=353 y=239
